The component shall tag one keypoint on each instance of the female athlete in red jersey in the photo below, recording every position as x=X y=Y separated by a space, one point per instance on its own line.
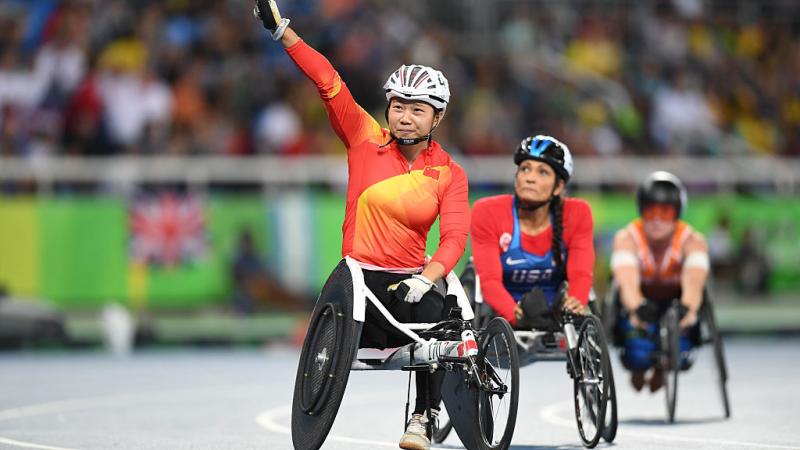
x=534 y=238
x=400 y=181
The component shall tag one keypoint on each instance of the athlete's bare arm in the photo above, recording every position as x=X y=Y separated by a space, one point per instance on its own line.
x=625 y=266
x=693 y=276
x=289 y=37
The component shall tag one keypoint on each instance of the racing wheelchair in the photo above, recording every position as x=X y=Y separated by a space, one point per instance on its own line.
x=579 y=341
x=481 y=384
x=668 y=355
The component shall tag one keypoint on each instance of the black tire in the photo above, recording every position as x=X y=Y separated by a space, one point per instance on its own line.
x=611 y=423
x=591 y=380
x=324 y=366
x=444 y=429
x=714 y=337
x=670 y=358
x=498 y=364
x=609 y=309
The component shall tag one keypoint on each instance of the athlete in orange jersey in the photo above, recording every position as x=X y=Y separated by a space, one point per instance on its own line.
x=400 y=181
x=657 y=258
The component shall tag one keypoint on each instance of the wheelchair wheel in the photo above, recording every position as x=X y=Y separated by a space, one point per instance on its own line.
x=324 y=366
x=610 y=426
x=609 y=310
x=444 y=428
x=484 y=414
x=670 y=358
x=498 y=399
x=709 y=319
x=591 y=380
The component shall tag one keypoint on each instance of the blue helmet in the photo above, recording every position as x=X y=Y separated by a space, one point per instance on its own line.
x=548 y=150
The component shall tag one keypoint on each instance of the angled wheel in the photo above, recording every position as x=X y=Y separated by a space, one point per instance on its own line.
x=498 y=398
x=713 y=336
x=610 y=426
x=324 y=366
x=670 y=361
x=445 y=427
x=591 y=381
x=482 y=403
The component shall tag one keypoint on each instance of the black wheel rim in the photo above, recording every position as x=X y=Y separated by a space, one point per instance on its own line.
x=499 y=367
x=719 y=355
x=444 y=427
x=591 y=381
x=610 y=426
x=671 y=361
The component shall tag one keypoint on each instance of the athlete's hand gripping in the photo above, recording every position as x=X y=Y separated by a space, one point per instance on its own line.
x=411 y=289
x=267 y=12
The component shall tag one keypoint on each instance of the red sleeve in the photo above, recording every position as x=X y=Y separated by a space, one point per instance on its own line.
x=578 y=238
x=454 y=219
x=349 y=120
x=486 y=257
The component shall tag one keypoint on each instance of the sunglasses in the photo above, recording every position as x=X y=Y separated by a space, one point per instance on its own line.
x=665 y=213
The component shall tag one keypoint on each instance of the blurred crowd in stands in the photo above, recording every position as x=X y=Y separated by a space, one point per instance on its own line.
x=110 y=77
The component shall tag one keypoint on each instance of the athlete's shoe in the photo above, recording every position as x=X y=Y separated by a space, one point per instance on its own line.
x=416 y=435
x=637 y=380
x=656 y=380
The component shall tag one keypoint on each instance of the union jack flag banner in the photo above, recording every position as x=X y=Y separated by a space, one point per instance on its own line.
x=167 y=229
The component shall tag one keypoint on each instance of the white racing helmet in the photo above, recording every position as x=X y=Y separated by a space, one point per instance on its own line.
x=420 y=83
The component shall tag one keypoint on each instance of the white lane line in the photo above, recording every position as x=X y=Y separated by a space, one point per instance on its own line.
x=30 y=445
x=267 y=420
x=551 y=414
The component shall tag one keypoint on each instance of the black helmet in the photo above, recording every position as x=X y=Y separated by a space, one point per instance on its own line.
x=661 y=187
x=548 y=150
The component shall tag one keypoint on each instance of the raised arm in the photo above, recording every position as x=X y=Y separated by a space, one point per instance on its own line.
x=351 y=123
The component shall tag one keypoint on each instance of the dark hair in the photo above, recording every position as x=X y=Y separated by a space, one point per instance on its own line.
x=557 y=208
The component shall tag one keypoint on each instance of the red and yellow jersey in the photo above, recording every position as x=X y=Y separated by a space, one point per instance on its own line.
x=661 y=280
x=391 y=204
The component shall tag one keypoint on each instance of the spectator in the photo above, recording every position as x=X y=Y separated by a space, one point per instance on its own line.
x=187 y=77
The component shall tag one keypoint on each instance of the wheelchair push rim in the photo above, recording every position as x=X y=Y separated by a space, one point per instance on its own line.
x=498 y=396
x=591 y=381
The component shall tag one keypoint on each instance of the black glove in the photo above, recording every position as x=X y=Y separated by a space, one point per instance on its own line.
x=267 y=12
x=648 y=312
x=536 y=311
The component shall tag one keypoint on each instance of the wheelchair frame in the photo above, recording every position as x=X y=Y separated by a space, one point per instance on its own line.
x=465 y=373
x=537 y=347
x=667 y=355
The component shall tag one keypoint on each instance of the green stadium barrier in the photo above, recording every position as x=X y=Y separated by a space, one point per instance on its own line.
x=74 y=252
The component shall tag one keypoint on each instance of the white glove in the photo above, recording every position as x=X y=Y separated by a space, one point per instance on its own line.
x=267 y=12
x=411 y=289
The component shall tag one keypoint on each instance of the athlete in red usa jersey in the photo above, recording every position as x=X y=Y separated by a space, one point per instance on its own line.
x=534 y=238
x=400 y=180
